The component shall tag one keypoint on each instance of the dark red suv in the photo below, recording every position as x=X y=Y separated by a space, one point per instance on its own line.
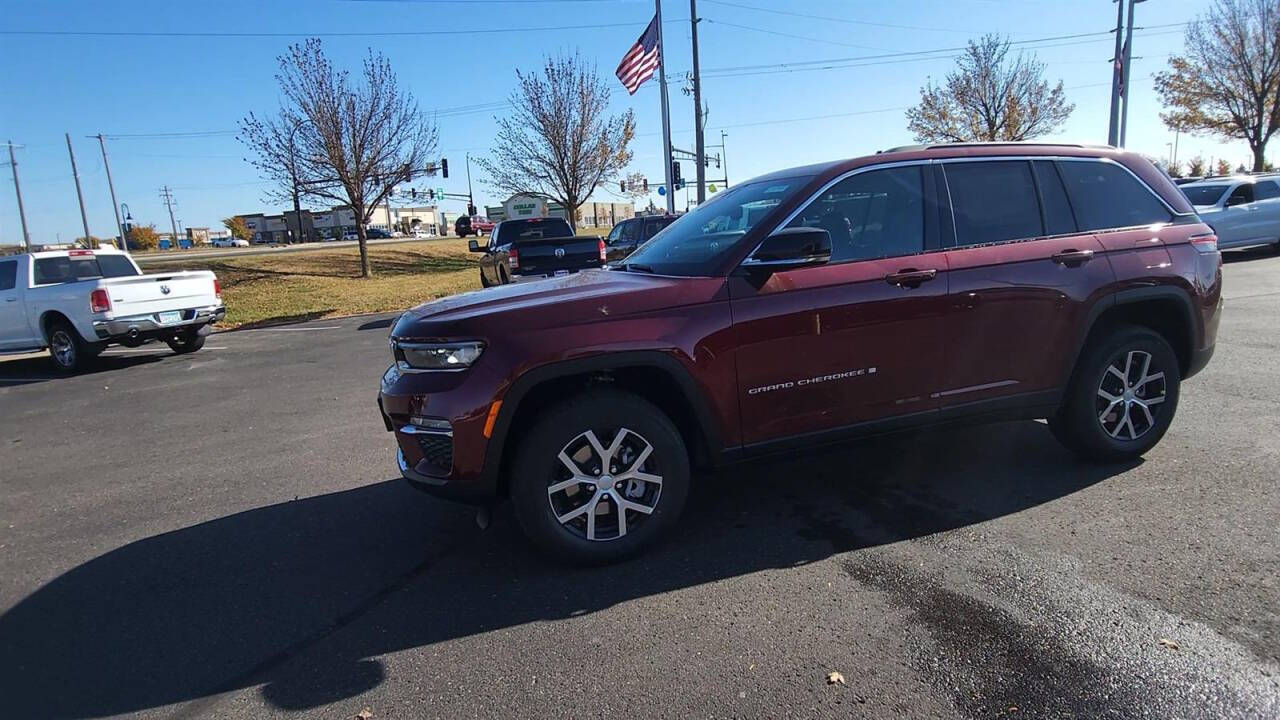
x=914 y=287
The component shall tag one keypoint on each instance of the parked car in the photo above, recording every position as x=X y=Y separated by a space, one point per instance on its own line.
x=77 y=302
x=228 y=242
x=377 y=234
x=917 y=287
x=533 y=249
x=481 y=225
x=1244 y=211
x=350 y=235
x=631 y=233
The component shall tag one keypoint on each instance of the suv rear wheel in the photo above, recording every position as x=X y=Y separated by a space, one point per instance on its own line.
x=1122 y=396
x=600 y=477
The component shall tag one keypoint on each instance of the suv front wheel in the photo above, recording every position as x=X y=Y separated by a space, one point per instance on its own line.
x=600 y=477
x=1122 y=396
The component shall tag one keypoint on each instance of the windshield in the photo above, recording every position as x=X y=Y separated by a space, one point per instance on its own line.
x=1204 y=194
x=691 y=244
x=513 y=231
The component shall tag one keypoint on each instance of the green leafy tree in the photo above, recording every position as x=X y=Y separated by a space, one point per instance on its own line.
x=992 y=94
x=1196 y=166
x=1222 y=168
x=1226 y=83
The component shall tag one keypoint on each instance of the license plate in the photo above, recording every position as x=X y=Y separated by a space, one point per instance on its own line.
x=561 y=272
x=171 y=317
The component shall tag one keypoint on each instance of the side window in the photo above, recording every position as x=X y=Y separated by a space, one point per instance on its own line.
x=615 y=235
x=8 y=274
x=993 y=201
x=1058 y=219
x=1243 y=193
x=1265 y=190
x=871 y=215
x=53 y=270
x=1104 y=195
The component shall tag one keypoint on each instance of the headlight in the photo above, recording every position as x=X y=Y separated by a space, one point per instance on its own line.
x=436 y=356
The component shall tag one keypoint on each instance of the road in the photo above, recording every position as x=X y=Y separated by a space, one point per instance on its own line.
x=144 y=259
x=225 y=535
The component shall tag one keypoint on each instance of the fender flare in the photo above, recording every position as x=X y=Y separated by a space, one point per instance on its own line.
x=1128 y=297
x=655 y=359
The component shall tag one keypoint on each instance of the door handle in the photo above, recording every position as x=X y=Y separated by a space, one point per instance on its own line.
x=1073 y=258
x=12 y=299
x=910 y=278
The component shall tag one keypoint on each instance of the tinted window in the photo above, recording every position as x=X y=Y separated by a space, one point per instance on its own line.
x=1058 y=219
x=1242 y=194
x=116 y=266
x=653 y=225
x=533 y=229
x=870 y=215
x=993 y=201
x=8 y=274
x=1104 y=195
x=1265 y=190
x=615 y=235
x=703 y=235
x=1204 y=194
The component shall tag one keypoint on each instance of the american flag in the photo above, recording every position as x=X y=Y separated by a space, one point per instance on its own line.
x=641 y=60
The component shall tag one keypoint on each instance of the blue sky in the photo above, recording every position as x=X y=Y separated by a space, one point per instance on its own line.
x=775 y=116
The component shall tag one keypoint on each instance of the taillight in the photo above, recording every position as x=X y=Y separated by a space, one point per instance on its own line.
x=1206 y=243
x=513 y=258
x=217 y=289
x=80 y=253
x=99 y=301
x=602 y=253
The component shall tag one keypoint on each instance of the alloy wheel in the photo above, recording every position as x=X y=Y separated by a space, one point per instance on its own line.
x=1130 y=395
x=601 y=492
x=64 y=350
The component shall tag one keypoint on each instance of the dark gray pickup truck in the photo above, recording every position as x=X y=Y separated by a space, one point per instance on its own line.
x=535 y=248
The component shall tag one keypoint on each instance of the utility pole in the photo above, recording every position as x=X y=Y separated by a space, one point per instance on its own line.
x=724 y=160
x=471 y=201
x=698 y=148
x=84 y=218
x=167 y=195
x=666 y=114
x=1117 y=77
x=1128 y=77
x=124 y=240
x=22 y=213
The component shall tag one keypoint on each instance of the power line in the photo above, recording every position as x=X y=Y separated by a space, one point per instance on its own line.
x=788 y=35
x=850 y=21
x=387 y=33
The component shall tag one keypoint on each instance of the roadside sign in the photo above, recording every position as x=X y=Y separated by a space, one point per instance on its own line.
x=712 y=187
x=662 y=189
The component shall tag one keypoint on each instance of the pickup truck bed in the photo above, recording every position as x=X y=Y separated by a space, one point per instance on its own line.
x=535 y=248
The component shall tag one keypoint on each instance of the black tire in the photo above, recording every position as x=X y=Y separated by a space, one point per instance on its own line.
x=1093 y=425
x=563 y=430
x=186 y=342
x=484 y=280
x=68 y=351
x=503 y=278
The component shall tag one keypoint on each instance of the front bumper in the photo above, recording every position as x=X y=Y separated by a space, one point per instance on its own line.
x=150 y=325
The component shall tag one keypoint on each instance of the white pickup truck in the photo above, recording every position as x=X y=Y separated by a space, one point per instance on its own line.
x=77 y=302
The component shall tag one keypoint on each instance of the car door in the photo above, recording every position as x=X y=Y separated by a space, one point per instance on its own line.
x=1021 y=280
x=1235 y=223
x=1265 y=211
x=15 y=331
x=622 y=240
x=856 y=339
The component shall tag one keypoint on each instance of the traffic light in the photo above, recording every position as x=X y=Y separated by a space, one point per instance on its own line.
x=444 y=167
x=646 y=184
x=622 y=186
x=431 y=194
x=471 y=209
x=676 y=178
x=413 y=193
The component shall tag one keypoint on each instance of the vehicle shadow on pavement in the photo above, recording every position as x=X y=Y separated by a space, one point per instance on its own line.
x=29 y=370
x=1258 y=253
x=302 y=597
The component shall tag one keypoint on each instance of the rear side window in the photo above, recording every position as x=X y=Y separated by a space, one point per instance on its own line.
x=53 y=270
x=1105 y=195
x=536 y=229
x=1058 y=219
x=871 y=215
x=654 y=225
x=1241 y=195
x=8 y=274
x=1265 y=190
x=993 y=201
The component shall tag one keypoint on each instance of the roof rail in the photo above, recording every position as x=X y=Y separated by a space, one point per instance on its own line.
x=992 y=143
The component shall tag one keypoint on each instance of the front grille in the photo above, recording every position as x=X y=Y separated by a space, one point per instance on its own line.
x=437 y=450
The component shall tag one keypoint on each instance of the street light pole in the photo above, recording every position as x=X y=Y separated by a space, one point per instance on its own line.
x=699 y=149
x=22 y=213
x=1128 y=73
x=84 y=218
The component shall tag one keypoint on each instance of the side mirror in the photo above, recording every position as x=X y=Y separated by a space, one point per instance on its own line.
x=791 y=248
x=473 y=246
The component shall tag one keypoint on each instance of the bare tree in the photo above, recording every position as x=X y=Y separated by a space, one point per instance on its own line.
x=991 y=95
x=337 y=140
x=1227 y=81
x=635 y=186
x=559 y=141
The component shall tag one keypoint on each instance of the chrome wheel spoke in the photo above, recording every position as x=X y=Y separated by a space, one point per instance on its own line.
x=624 y=504
x=1113 y=370
x=571 y=466
x=1153 y=401
x=1146 y=366
x=1147 y=411
x=1102 y=416
x=565 y=485
x=1113 y=399
x=1147 y=379
x=590 y=435
x=584 y=507
x=622 y=517
x=646 y=477
x=591 y=517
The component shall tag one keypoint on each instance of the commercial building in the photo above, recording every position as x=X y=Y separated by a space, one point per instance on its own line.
x=590 y=214
x=316 y=225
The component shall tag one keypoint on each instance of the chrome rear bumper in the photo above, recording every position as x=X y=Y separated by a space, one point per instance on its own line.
x=140 y=324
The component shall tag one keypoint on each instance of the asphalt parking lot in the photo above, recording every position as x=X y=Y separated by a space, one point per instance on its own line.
x=225 y=534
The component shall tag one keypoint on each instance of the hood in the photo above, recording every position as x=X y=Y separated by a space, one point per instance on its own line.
x=589 y=295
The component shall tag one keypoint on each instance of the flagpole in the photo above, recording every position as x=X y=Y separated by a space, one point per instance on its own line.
x=666 y=115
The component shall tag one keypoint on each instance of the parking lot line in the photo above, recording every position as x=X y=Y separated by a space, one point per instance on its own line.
x=306 y=329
